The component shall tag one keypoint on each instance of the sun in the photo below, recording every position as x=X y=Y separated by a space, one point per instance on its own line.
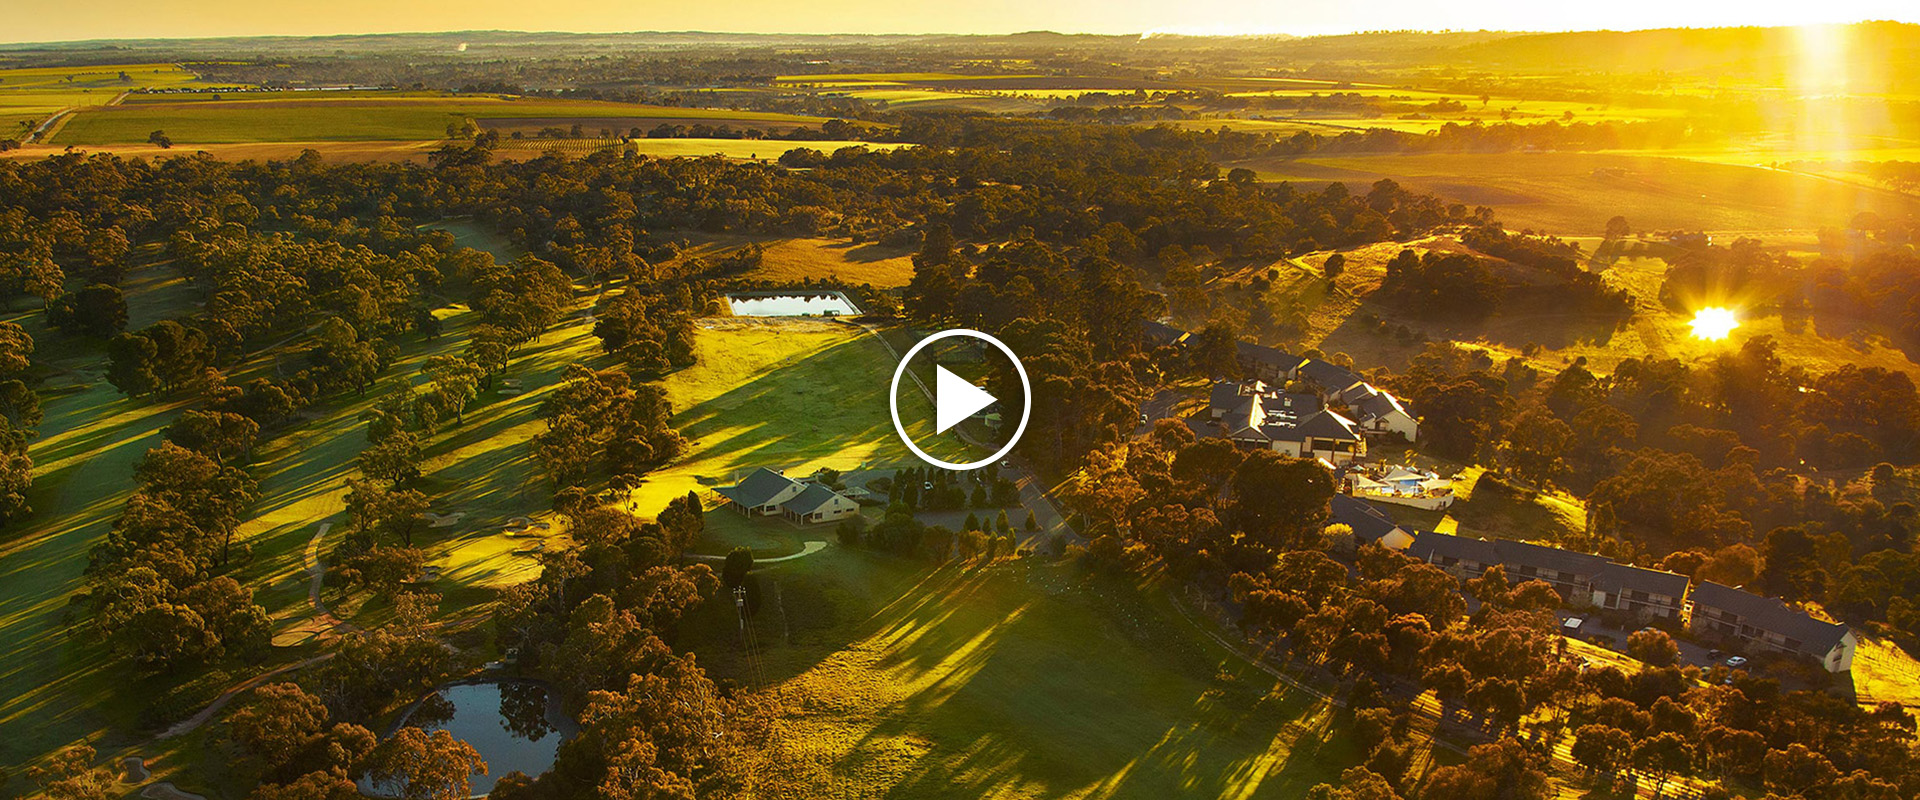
x=1713 y=324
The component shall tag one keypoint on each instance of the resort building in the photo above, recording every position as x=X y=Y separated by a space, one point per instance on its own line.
x=765 y=492
x=1767 y=624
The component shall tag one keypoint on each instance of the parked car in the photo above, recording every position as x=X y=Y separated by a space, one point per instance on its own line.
x=1007 y=464
x=1715 y=654
x=1736 y=662
x=1143 y=419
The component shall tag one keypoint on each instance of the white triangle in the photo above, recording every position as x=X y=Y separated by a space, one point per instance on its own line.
x=955 y=399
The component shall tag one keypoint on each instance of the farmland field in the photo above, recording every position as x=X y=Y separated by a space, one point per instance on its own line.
x=1575 y=193
x=802 y=259
x=357 y=119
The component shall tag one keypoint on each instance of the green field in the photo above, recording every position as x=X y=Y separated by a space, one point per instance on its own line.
x=1022 y=680
x=323 y=119
x=788 y=394
x=62 y=687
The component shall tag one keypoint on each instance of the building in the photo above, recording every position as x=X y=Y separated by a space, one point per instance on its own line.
x=1162 y=335
x=1291 y=424
x=1569 y=572
x=765 y=492
x=1333 y=380
x=1261 y=362
x=1644 y=593
x=1372 y=410
x=760 y=493
x=818 y=503
x=1766 y=624
x=1379 y=413
x=1369 y=524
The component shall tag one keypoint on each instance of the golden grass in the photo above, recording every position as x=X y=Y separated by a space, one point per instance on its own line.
x=789 y=394
x=1022 y=680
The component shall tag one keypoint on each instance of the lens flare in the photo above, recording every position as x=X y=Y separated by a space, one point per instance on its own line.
x=1713 y=324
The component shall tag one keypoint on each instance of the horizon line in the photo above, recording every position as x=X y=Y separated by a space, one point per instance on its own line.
x=1141 y=36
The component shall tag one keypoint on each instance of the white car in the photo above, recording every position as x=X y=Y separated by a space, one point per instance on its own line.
x=1736 y=662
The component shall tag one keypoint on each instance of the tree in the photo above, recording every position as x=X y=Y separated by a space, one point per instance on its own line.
x=1617 y=228
x=1654 y=647
x=1502 y=770
x=219 y=435
x=395 y=459
x=1663 y=755
x=382 y=514
x=1797 y=769
x=422 y=766
x=71 y=775
x=1602 y=749
x=277 y=723
x=734 y=572
x=1278 y=500
x=1356 y=783
x=1334 y=266
x=97 y=310
x=16 y=349
x=160 y=138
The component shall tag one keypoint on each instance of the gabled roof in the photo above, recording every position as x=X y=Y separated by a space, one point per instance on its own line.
x=760 y=486
x=1429 y=545
x=1325 y=424
x=1541 y=556
x=1160 y=333
x=1767 y=613
x=810 y=500
x=1617 y=578
x=1287 y=362
x=1369 y=524
x=1375 y=405
x=1330 y=377
x=1225 y=394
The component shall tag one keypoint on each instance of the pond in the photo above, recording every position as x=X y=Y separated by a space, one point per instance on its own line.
x=791 y=304
x=516 y=725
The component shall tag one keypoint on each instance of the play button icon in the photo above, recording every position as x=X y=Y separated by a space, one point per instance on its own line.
x=955 y=399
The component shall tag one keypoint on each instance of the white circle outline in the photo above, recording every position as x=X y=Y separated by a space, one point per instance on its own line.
x=1026 y=399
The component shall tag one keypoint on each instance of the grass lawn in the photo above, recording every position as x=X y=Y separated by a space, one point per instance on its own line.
x=1019 y=680
x=787 y=394
x=1884 y=673
x=1545 y=517
x=321 y=119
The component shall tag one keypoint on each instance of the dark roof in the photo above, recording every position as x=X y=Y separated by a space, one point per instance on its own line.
x=757 y=488
x=1327 y=425
x=1225 y=394
x=1428 y=545
x=1300 y=405
x=1366 y=402
x=1331 y=378
x=1515 y=554
x=1617 y=578
x=810 y=500
x=1369 y=524
x=1259 y=352
x=1767 y=613
x=1160 y=333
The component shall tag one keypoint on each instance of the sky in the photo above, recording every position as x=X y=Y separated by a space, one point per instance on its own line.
x=138 y=19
